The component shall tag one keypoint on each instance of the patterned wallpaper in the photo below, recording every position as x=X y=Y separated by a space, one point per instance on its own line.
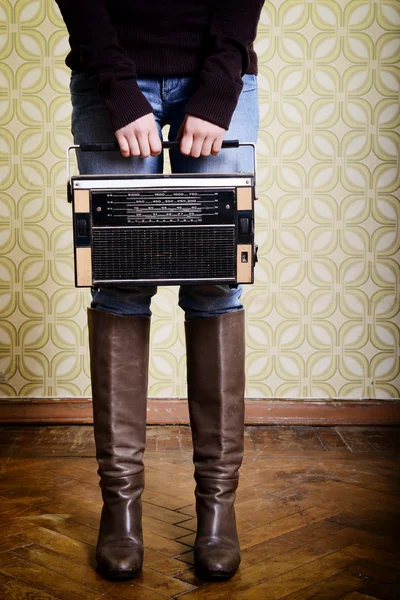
x=323 y=314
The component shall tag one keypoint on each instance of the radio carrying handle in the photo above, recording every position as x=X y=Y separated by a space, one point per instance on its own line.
x=107 y=147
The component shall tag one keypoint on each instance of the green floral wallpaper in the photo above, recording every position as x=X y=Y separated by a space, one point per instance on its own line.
x=323 y=314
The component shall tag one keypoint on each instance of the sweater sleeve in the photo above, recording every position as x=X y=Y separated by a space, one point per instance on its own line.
x=105 y=61
x=232 y=28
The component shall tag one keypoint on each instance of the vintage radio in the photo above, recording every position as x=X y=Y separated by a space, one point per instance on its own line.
x=166 y=229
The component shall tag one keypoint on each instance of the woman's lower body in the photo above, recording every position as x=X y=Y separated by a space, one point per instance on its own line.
x=168 y=96
x=119 y=327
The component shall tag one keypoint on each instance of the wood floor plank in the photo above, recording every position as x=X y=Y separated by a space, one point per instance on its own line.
x=357 y=596
x=75 y=512
x=164 y=529
x=366 y=538
x=284 y=525
x=372 y=571
x=374 y=522
x=161 y=583
x=162 y=513
x=160 y=562
x=157 y=542
x=14 y=527
x=389 y=559
x=295 y=579
x=5 y=579
x=381 y=582
x=161 y=500
x=13 y=541
x=62 y=544
x=67 y=526
x=81 y=572
x=330 y=588
x=277 y=565
x=7 y=558
x=48 y=581
x=18 y=590
x=288 y=541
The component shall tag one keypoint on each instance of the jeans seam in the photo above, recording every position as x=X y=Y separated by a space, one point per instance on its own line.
x=163 y=101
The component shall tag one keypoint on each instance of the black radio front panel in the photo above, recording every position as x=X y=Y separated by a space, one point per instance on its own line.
x=163 y=206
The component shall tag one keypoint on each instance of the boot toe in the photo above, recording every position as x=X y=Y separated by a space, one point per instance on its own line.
x=216 y=563
x=120 y=561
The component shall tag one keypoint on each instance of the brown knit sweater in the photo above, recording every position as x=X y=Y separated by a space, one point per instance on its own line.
x=116 y=41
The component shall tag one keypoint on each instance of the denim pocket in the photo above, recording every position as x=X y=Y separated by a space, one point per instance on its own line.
x=250 y=82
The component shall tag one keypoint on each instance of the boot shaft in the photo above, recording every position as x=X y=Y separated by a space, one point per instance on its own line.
x=215 y=350
x=119 y=360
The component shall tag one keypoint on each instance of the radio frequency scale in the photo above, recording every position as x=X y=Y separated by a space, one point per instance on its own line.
x=163 y=229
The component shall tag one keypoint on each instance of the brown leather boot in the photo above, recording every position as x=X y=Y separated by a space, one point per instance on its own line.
x=119 y=355
x=215 y=349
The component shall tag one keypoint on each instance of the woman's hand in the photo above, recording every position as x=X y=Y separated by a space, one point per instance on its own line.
x=199 y=137
x=140 y=138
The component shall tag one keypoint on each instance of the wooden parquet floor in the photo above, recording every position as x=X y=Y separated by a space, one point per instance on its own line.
x=317 y=509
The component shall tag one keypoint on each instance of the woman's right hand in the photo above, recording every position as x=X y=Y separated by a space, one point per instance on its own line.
x=139 y=138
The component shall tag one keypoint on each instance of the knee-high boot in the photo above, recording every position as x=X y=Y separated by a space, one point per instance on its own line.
x=119 y=355
x=215 y=349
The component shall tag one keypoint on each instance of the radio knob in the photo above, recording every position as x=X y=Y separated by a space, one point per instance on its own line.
x=82 y=228
x=244 y=225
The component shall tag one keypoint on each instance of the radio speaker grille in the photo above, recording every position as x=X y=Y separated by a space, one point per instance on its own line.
x=163 y=253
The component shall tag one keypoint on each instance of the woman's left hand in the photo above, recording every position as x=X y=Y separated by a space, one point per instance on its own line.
x=199 y=137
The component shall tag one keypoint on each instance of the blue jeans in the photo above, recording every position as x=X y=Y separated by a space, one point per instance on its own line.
x=168 y=96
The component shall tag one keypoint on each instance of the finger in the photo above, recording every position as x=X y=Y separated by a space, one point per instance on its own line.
x=186 y=144
x=143 y=140
x=206 y=149
x=123 y=145
x=197 y=146
x=155 y=143
x=133 y=146
x=216 y=147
